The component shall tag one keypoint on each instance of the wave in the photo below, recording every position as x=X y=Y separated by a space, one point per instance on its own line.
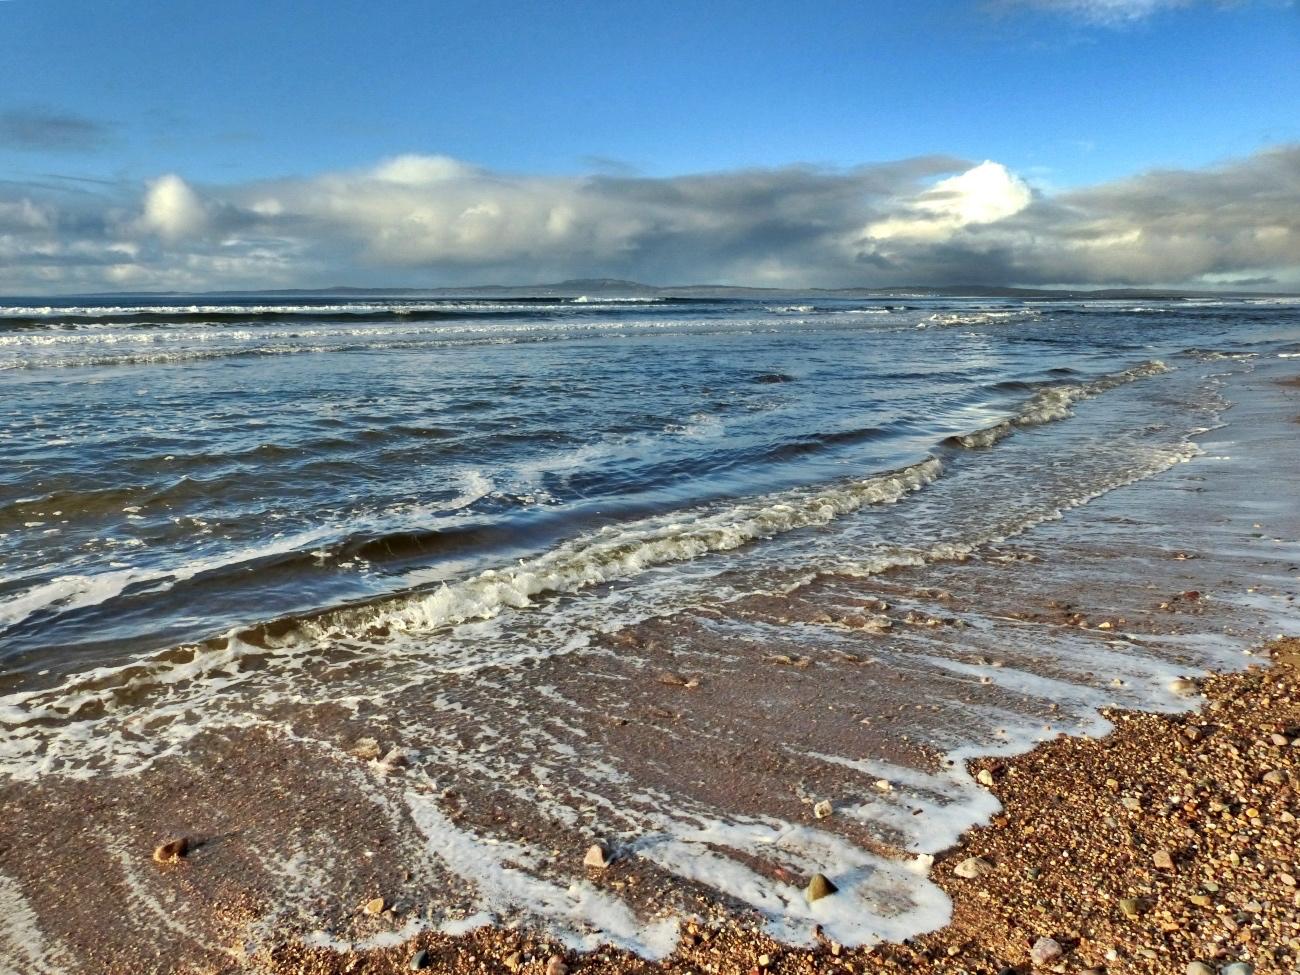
x=240 y=315
x=617 y=553
x=588 y=300
x=983 y=317
x=75 y=591
x=1054 y=403
x=614 y=553
x=829 y=310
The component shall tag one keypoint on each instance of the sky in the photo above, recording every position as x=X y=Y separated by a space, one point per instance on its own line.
x=185 y=145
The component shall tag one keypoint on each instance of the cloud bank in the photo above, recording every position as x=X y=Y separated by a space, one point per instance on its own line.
x=431 y=220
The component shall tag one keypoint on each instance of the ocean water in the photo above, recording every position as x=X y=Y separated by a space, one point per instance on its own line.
x=661 y=574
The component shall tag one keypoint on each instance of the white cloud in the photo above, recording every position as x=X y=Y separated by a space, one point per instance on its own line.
x=1117 y=13
x=1109 y=11
x=172 y=209
x=414 y=170
x=985 y=194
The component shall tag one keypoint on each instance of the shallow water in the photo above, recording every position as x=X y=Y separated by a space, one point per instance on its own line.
x=659 y=574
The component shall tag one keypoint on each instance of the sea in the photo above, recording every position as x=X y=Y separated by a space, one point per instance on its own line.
x=422 y=597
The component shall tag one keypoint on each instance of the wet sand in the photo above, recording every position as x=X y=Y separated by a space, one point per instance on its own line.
x=1073 y=858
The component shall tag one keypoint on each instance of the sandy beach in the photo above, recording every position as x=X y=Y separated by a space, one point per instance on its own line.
x=1171 y=841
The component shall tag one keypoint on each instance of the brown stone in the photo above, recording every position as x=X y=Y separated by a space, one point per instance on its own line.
x=172 y=851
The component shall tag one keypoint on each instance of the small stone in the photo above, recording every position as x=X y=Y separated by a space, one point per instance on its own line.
x=420 y=960
x=823 y=809
x=1163 y=860
x=1199 y=968
x=1279 y=740
x=1238 y=968
x=596 y=857
x=1200 y=900
x=1045 y=951
x=366 y=749
x=985 y=777
x=1184 y=687
x=884 y=785
x=972 y=868
x=172 y=850
x=514 y=961
x=1129 y=802
x=375 y=906
x=555 y=966
x=818 y=887
x=1274 y=777
x=1130 y=907
x=1105 y=625
x=764 y=961
x=1287 y=879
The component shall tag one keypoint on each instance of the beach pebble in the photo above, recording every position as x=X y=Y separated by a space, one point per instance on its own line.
x=420 y=960
x=555 y=966
x=1045 y=951
x=823 y=809
x=1238 y=968
x=172 y=850
x=1163 y=860
x=596 y=857
x=1199 y=968
x=366 y=749
x=1183 y=686
x=1274 y=777
x=514 y=961
x=1279 y=740
x=375 y=906
x=1130 y=907
x=985 y=777
x=972 y=867
x=818 y=887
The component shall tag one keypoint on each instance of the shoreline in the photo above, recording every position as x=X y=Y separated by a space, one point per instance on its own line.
x=1166 y=843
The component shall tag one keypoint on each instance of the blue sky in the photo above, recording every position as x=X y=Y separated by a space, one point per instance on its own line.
x=1065 y=94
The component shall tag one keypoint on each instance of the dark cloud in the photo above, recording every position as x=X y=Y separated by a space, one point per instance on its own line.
x=42 y=130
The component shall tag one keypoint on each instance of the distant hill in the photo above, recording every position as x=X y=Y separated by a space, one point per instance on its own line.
x=614 y=287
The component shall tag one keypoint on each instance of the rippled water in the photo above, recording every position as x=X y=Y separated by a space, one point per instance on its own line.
x=488 y=526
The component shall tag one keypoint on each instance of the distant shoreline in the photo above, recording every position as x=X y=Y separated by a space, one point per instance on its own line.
x=617 y=288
